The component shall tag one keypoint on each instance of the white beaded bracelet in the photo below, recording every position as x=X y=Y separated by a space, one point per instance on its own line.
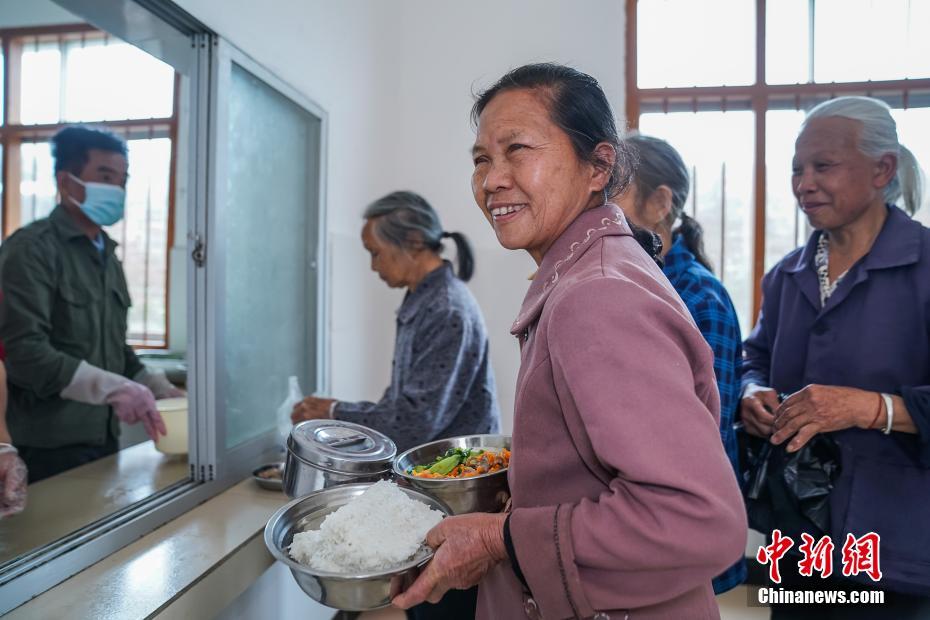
x=889 y=409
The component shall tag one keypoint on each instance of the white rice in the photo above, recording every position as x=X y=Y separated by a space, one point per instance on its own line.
x=381 y=528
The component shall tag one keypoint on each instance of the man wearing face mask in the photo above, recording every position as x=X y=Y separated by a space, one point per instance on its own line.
x=71 y=376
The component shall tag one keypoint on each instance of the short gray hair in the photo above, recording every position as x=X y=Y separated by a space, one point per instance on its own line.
x=878 y=137
x=406 y=220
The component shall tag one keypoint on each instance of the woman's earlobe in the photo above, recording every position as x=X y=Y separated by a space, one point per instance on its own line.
x=887 y=169
x=604 y=158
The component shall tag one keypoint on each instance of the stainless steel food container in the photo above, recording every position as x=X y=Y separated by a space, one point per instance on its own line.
x=325 y=453
x=484 y=493
x=346 y=592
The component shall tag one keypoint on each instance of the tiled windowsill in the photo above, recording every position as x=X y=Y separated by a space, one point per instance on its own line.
x=192 y=566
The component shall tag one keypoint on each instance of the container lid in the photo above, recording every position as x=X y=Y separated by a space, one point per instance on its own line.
x=343 y=447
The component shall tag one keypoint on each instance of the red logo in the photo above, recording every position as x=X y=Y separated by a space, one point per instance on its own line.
x=771 y=554
x=817 y=557
x=860 y=555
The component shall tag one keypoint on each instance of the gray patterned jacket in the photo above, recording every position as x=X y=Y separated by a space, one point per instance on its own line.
x=442 y=384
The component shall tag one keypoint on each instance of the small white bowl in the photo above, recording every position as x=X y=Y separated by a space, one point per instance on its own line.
x=174 y=412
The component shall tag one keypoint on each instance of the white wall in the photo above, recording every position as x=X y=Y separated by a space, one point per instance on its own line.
x=397 y=78
x=446 y=51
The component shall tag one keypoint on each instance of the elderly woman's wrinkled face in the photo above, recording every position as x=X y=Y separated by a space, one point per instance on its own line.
x=833 y=181
x=528 y=181
x=391 y=263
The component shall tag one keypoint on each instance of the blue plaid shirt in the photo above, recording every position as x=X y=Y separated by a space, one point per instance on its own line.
x=710 y=307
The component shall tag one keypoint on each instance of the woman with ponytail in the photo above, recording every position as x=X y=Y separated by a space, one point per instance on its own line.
x=655 y=200
x=442 y=384
x=845 y=331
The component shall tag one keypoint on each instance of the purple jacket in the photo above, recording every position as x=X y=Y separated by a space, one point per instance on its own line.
x=623 y=498
x=873 y=334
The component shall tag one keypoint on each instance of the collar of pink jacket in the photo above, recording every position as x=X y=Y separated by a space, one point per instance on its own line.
x=577 y=239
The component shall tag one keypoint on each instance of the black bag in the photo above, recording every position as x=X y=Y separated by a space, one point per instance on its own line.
x=789 y=492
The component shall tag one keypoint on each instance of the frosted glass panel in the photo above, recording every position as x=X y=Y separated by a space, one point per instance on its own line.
x=270 y=237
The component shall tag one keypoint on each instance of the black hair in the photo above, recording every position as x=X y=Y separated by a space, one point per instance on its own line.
x=579 y=107
x=658 y=163
x=406 y=220
x=71 y=144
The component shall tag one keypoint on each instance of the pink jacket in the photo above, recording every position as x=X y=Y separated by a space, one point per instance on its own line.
x=624 y=503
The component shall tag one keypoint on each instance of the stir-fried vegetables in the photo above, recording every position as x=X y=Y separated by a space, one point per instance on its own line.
x=463 y=463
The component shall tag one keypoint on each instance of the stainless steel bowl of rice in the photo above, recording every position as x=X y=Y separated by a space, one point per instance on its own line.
x=484 y=493
x=357 y=561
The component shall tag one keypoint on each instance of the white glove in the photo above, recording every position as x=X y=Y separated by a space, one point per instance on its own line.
x=155 y=380
x=132 y=402
x=12 y=481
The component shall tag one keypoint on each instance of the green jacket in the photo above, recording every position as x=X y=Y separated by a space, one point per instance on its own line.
x=62 y=303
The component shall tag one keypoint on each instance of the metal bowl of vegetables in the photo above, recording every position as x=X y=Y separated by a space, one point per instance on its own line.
x=468 y=473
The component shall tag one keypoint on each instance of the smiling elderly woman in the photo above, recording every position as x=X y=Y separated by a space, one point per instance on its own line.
x=623 y=498
x=845 y=329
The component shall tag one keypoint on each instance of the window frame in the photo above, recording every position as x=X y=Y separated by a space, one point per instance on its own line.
x=170 y=33
x=13 y=135
x=759 y=97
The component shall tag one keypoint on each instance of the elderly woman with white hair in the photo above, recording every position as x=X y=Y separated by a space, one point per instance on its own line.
x=845 y=332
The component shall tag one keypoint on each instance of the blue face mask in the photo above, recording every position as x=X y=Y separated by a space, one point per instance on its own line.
x=103 y=203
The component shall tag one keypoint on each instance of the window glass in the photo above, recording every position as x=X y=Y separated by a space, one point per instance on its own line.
x=37 y=186
x=92 y=79
x=787 y=42
x=785 y=225
x=913 y=125
x=143 y=238
x=688 y=43
x=40 y=89
x=115 y=81
x=859 y=40
x=142 y=234
x=718 y=148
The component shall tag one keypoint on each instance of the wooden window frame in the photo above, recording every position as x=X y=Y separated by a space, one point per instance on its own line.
x=759 y=97
x=13 y=135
